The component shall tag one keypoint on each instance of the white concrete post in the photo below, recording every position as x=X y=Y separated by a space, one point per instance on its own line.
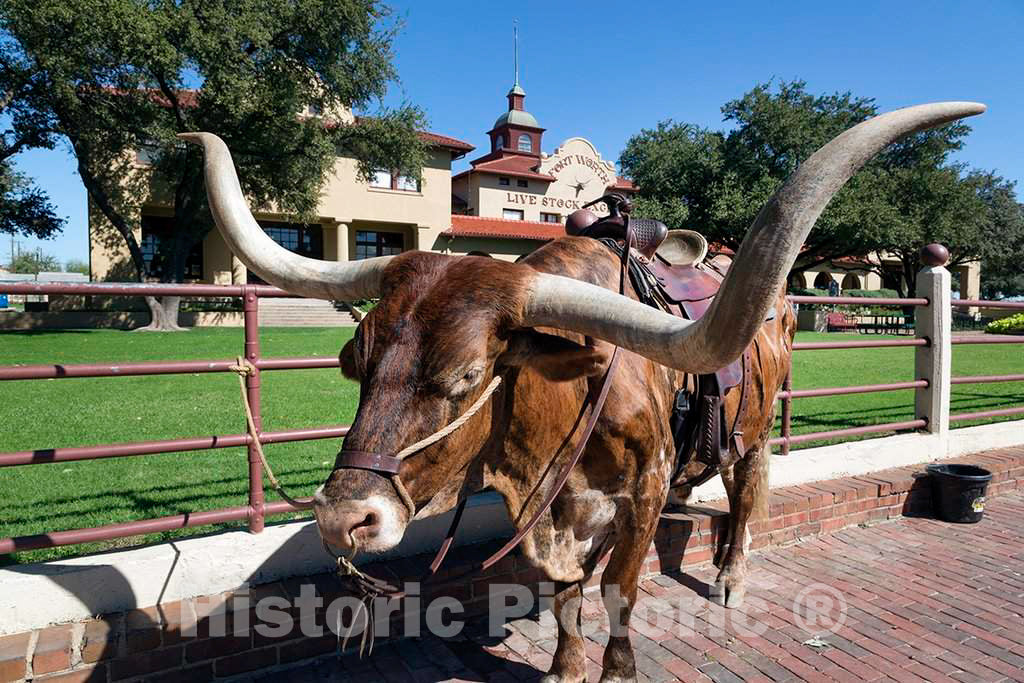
x=934 y=322
x=239 y=273
x=342 y=237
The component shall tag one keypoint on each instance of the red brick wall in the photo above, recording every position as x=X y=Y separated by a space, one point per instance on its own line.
x=149 y=642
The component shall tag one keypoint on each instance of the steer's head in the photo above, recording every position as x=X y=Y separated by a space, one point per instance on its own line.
x=445 y=326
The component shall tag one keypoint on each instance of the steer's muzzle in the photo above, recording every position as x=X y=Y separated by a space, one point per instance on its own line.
x=373 y=523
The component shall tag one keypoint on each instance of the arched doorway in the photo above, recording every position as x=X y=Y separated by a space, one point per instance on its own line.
x=822 y=281
x=851 y=281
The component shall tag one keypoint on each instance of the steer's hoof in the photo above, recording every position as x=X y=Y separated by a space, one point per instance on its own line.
x=734 y=599
x=716 y=593
x=721 y=594
x=555 y=678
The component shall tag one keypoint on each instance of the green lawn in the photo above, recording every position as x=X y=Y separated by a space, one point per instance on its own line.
x=75 y=412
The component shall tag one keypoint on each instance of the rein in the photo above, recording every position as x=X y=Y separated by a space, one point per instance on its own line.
x=388 y=466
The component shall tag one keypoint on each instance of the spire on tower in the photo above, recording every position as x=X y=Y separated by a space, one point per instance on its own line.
x=515 y=40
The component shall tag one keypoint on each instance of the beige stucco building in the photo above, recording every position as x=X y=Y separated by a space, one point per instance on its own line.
x=355 y=219
x=862 y=274
x=511 y=200
x=517 y=196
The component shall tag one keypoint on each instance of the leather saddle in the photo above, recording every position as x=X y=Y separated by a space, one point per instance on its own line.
x=670 y=270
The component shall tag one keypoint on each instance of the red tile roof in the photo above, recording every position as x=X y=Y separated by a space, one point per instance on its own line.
x=438 y=140
x=479 y=226
x=623 y=184
x=190 y=98
x=514 y=165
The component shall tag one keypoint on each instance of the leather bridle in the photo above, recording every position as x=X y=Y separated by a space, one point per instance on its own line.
x=388 y=465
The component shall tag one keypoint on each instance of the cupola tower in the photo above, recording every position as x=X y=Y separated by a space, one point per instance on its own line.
x=516 y=131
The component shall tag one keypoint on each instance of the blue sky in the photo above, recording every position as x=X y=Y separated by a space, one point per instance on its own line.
x=606 y=70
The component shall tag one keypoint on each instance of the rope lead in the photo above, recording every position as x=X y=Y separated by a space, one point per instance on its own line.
x=244 y=368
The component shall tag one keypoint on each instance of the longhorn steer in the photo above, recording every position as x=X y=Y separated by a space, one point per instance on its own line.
x=446 y=326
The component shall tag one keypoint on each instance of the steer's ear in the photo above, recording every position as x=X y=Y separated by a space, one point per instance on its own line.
x=556 y=358
x=347 y=358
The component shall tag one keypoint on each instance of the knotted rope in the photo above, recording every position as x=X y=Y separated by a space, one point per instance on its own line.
x=369 y=584
x=244 y=368
x=455 y=424
x=345 y=566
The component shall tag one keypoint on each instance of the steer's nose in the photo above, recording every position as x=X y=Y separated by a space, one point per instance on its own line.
x=342 y=524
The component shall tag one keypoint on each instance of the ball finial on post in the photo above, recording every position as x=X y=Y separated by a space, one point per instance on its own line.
x=934 y=255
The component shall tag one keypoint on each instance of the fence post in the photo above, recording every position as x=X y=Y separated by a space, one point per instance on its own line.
x=250 y=306
x=934 y=322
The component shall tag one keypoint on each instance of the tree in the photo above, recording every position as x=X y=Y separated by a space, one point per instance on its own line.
x=715 y=182
x=112 y=77
x=76 y=266
x=1002 y=274
x=973 y=213
x=24 y=208
x=34 y=262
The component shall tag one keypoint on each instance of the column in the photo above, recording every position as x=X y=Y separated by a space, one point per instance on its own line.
x=934 y=322
x=341 y=244
x=239 y=274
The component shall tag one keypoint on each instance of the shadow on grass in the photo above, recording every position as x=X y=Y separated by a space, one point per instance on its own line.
x=137 y=500
x=39 y=333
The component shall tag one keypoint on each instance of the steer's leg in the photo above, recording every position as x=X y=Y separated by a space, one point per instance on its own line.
x=725 y=535
x=619 y=591
x=569 y=664
x=750 y=491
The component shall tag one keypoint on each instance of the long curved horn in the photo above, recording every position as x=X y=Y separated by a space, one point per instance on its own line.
x=759 y=271
x=343 y=281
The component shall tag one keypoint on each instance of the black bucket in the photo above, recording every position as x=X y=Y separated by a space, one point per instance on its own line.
x=958 y=492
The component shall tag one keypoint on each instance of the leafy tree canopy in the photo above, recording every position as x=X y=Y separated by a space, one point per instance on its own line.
x=76 y=266
x=715 y=182
x=24 y=208
x=34 y=262
x=113 y=77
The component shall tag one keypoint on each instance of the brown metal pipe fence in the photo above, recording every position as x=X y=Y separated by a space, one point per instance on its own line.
x=787 y=394
x=257 y=509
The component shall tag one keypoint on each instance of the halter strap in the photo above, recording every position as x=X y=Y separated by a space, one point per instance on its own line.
x=368 y=461
x=365 y=460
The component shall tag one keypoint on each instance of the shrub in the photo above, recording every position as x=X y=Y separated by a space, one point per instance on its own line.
x=800 y=291
x=1013 y=324
x=872 y=293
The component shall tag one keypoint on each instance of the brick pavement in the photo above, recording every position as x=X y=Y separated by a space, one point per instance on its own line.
x=907 y=600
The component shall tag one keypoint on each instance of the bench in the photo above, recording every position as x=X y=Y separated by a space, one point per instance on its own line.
x=840 y=322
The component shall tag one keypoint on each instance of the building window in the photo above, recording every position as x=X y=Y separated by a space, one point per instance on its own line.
x=499 y=142
x=387 y=180
x=525 y=143
x=307 y=240
x=157 y=235
x=822 y=281
x=407 y=184
x=550 y=218
x=522 y=183
x=512 y=214
x=370 y=244
x=504 y=181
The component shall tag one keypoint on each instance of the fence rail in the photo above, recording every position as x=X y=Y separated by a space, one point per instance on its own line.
x=257 y=509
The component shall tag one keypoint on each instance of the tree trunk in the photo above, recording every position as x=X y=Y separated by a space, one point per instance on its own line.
x=163 y=314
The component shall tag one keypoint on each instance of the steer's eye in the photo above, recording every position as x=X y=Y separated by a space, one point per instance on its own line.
x=459 y=385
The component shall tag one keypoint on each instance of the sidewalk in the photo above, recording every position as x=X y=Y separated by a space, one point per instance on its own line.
x=908 y=600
